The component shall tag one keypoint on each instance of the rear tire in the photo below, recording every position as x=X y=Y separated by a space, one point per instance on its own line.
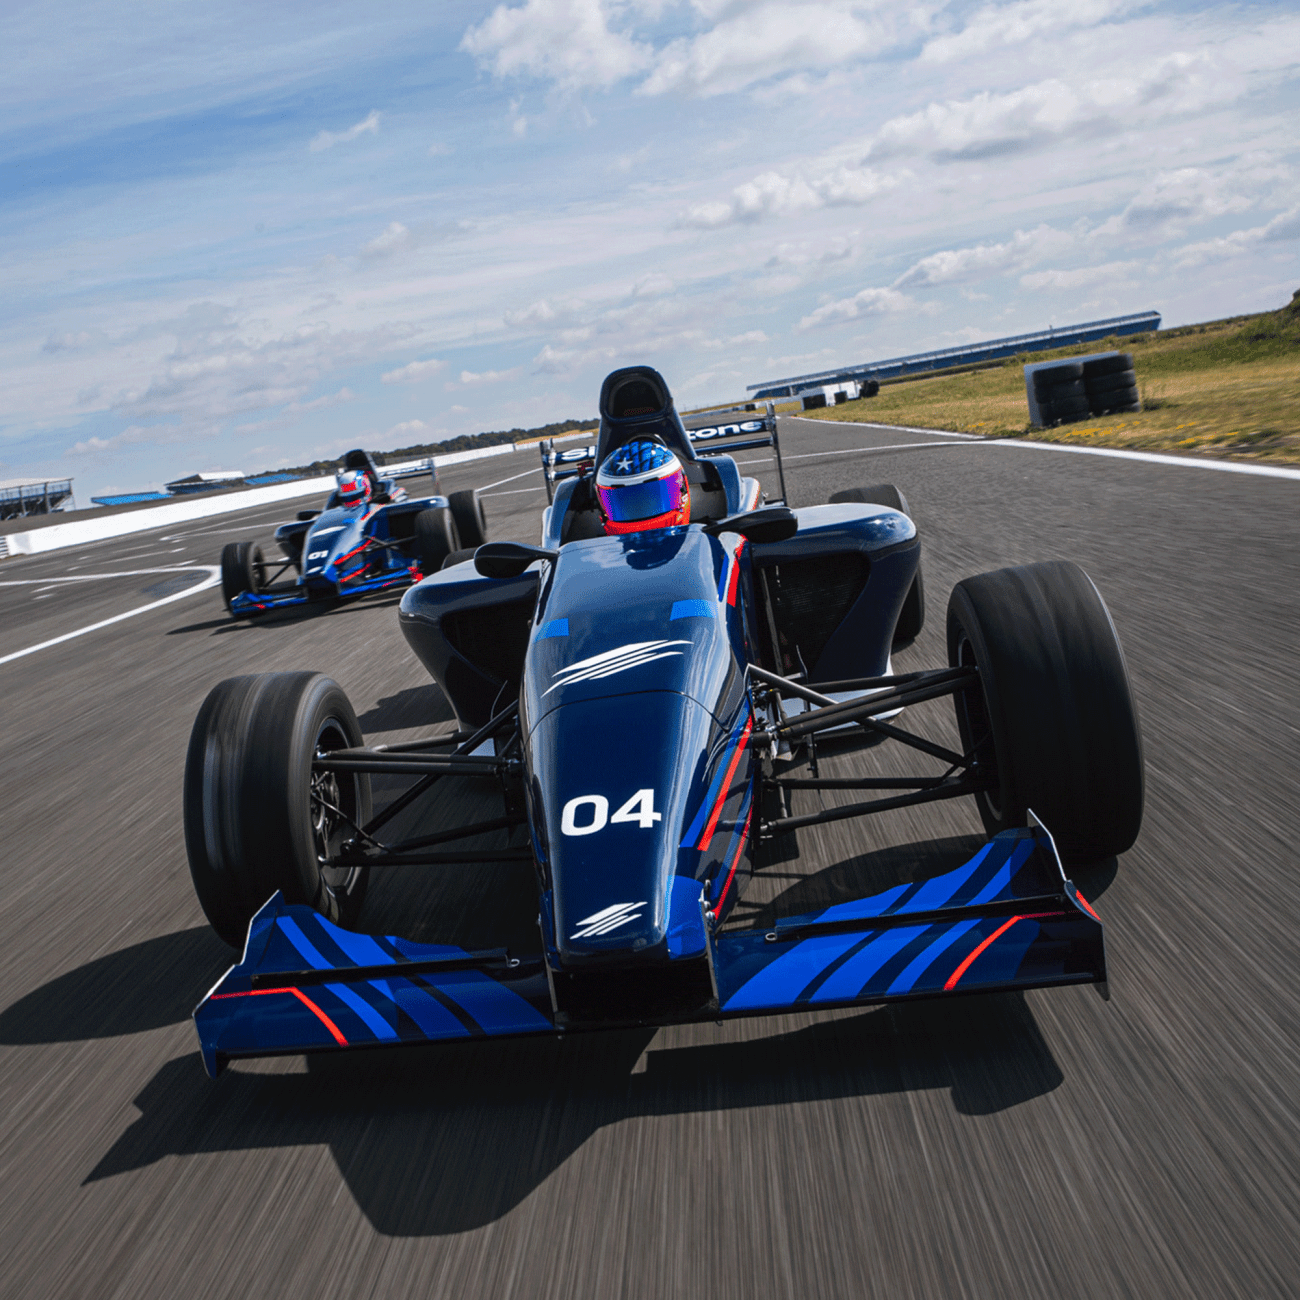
x=255 y=814
x=1053 y=711
x=435 y=538
x=911 y=618
x=471 y=522
x=242 y=570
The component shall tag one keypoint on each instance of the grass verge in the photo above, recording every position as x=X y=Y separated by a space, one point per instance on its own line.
x=1228 y=388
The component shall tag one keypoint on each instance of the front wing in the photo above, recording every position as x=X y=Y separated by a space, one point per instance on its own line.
x=1006 y=919
x=249 y=602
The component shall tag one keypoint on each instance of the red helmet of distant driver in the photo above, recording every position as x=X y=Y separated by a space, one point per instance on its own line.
x=354 y=487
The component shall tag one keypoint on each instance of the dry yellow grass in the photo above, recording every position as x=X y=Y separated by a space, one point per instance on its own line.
x=1229 y=388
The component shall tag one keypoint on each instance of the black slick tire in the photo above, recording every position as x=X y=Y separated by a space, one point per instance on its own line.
x=1107 y=365
x=1119 y=379
x=471 y=522
x=911 y=618
x=1053 y=711
x=256 y=816
x=459 y=557
x=242 y=570
x=435 y=538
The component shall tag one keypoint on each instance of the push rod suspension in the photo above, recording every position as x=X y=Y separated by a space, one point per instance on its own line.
x=951 y=789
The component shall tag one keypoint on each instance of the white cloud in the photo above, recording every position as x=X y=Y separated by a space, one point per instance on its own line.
x=565 y=41
x=470 y=377
x=978 y=261
x=410 y=431
x=71 y=341
x=440 y=150
x=765 y=39
x=775 y=195
x=328 y=139
x=393 y=239
x=868 y=302
x=1284 y=226
x=294 y=411
x=1081 y=276
x=413 y=373
x=1171 y=201
x=132 y=436
x=537 y=313
x=992 y=123
x=1000 y=25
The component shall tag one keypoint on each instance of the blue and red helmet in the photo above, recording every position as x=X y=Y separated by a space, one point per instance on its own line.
x=642 y=485
x=354 y=487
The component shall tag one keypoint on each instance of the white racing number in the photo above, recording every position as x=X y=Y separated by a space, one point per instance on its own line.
x=593 y=809
x=315 y=555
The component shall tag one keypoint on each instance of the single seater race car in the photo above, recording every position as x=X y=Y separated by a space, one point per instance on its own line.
x=723 y=653
x=370 y=537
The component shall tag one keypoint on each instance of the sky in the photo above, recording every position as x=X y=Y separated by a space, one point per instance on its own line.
x=244 y=236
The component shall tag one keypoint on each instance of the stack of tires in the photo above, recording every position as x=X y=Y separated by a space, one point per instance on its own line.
x=1061 y=392
x=1075 y=390
x=1111 y=384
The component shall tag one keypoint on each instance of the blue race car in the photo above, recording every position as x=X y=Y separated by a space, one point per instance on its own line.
x=370 y=537
x=652 y=689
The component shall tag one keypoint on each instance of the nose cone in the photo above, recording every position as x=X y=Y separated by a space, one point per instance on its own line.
x=626 y=768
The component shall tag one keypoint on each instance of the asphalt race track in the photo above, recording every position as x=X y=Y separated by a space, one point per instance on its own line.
x=1047 y=1144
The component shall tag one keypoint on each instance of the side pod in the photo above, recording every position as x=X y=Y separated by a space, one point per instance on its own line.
x=1007 y=919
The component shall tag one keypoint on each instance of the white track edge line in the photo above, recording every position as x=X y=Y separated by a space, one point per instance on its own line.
x=1117 y=453
x=214 y=577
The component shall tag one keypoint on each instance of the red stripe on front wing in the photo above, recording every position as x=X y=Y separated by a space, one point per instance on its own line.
x=302 y=997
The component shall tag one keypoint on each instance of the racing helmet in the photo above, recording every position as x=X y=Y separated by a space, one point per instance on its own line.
x=354 y=487
x=642 y=485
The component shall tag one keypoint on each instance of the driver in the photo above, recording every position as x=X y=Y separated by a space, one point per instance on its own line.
x=642 y=485
x=354 y=487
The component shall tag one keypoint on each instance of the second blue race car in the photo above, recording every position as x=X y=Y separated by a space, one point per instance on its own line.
x=371 y=536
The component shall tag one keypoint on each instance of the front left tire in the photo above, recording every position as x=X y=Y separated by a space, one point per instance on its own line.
x=242 y=570
x=258 y=818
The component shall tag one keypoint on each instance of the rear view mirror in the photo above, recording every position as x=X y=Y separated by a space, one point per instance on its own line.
x=508 y=559
x=766 y=524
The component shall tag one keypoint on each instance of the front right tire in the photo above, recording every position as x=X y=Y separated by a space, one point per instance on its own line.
x=1052 y=715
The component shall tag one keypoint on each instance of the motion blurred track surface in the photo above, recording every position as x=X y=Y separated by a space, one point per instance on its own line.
x=1045 y=1144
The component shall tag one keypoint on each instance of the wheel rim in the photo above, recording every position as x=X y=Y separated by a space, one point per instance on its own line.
x=973 y=723
x=334 y=801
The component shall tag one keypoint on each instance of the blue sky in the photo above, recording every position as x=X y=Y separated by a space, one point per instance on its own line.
x=244 y=236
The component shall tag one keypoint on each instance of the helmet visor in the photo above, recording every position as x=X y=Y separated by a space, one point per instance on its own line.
x=628 y=503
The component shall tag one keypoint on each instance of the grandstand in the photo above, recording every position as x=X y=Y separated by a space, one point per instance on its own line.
x=20 y=497
x=968 y=354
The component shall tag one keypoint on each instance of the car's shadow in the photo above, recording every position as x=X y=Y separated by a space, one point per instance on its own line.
x=439 y=1140
x=420 y=706
x=226 y=625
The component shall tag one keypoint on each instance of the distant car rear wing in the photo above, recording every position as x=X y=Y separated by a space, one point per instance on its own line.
x=721 y=437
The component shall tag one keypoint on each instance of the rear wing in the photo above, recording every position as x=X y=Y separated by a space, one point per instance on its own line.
x=720 y=437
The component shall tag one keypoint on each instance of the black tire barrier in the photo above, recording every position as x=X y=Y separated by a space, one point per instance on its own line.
x=1071 y=390
x=1116 y=397
x=1109 y=383
x=1052 y=711
x=1107 y=365
x=911 y=618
